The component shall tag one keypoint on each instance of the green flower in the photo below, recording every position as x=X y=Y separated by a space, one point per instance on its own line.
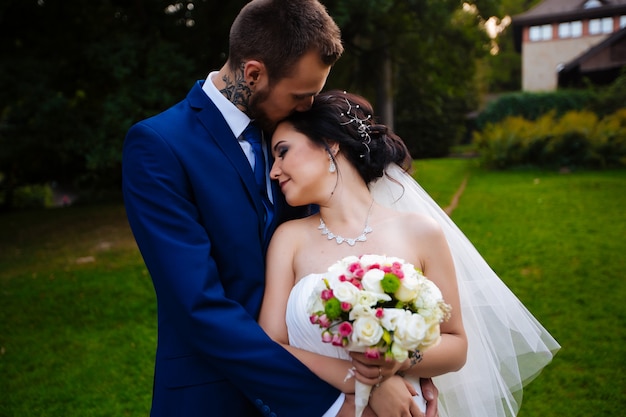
x=332 y=308
x=390 y=283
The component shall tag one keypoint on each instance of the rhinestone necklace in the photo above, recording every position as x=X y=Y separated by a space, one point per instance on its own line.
x=340 y=239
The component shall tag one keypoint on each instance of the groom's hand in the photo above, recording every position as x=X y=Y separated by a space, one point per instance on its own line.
x=431 y=394
x=348 y=408
x=394 y=398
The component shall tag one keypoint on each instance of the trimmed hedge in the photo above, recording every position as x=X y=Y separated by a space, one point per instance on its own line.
x=531 y=106
x=574 y=140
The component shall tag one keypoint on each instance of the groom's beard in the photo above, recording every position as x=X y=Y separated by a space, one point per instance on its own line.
x=258 y=113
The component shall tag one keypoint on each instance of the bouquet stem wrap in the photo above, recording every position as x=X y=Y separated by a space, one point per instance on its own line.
x=361 y=397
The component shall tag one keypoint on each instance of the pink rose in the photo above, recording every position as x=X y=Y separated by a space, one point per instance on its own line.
x=372 y=353
x=345 y=329
x=327 y=295
x=324 y=321
x=337 y=340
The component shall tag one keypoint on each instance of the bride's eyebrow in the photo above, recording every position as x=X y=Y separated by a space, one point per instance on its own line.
x=275 y=147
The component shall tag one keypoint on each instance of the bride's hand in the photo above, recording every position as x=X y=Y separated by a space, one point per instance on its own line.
x=373 y=371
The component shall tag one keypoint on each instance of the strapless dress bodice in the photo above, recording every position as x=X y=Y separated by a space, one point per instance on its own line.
x=302 y=333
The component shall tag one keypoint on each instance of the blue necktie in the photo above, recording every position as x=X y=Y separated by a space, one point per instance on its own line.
x=252 y=134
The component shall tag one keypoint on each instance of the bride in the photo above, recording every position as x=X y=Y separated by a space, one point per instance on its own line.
x=334 y=156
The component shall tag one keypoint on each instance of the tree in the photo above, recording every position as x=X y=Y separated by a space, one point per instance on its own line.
x=502 y=70
x=416 y=58
x=77 y=74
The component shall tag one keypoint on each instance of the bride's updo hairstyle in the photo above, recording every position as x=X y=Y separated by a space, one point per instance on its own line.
x=347 y=119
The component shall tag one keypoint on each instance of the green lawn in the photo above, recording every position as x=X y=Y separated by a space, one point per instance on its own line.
x=77 y=309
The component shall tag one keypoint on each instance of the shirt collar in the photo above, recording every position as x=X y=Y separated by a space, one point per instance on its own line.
x=235 y=118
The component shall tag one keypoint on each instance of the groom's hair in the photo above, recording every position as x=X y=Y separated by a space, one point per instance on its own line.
x=279 y=32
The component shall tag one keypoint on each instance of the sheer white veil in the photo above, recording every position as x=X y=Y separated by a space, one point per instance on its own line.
x=508 y=347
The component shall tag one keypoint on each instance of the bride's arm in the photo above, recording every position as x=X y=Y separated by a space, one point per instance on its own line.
x=279 y=280
x=438 y=266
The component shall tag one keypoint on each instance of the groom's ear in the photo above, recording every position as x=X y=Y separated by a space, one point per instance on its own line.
x=254 y=72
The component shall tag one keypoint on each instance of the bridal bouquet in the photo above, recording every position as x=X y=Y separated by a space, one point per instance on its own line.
x=378 y=305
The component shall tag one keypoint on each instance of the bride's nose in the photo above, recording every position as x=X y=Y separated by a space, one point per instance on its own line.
x=275 y=171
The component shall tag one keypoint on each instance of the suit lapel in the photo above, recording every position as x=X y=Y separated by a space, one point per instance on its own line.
x=219 y=132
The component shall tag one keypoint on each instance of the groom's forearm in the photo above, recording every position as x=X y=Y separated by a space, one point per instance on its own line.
x=348 y=407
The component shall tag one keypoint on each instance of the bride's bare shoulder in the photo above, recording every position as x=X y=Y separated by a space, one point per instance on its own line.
x=418 y=223
x=294 y=228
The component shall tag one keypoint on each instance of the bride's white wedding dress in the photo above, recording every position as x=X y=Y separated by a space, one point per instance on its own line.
x=304 y=335
x=507 y=346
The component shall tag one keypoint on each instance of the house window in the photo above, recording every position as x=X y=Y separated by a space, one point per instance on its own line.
x=540 y=33
x=599 y=26
x=592 y=3
x=622 y=22
x=571 y=29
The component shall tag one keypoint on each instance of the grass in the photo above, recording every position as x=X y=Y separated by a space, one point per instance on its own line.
x=558 y=241
x=77 y=322
x=77 y=309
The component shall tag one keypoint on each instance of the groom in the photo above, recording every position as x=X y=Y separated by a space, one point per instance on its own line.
x=198 y=217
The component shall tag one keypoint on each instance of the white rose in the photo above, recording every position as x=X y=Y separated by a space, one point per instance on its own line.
x=369 y=299
x=372 y=279
x=361 y=311
x=342 y=266
x=399 y=353
x=432 y=336
x=409 y=270
x=409 y=288
x=429 y=297
x=314 y=303
x=393 y=259
x=410 y=331
x=368 y=260
x=389 y=320
x=433 y=290
x=366 y=331
x=345 y=292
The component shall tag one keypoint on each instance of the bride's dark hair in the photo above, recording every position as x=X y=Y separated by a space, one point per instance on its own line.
x=348 y=119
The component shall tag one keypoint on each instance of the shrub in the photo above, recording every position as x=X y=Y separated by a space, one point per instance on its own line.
x=531 y=106
x=610 y=99
x=608 y=142
x=575 y=139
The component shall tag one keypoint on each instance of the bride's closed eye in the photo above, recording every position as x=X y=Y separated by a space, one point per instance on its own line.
x=280 y=151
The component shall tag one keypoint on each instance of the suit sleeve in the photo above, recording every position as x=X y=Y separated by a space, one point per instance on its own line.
x=172 y=236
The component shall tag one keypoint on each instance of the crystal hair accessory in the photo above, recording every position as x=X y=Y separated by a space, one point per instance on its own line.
x=362 y=127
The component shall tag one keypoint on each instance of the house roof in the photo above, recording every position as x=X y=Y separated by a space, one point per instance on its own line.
x=616 y=37
x=551 y=11
x=556 y=11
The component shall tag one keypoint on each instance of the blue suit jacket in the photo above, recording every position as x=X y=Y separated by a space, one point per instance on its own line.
x=196 y=214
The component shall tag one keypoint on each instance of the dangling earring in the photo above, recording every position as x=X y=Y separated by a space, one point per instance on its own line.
x=332 y=167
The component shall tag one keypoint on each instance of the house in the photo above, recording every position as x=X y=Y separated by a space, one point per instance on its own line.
x=564 y=42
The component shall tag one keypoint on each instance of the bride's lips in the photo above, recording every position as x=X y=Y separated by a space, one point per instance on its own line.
x=282 y=183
